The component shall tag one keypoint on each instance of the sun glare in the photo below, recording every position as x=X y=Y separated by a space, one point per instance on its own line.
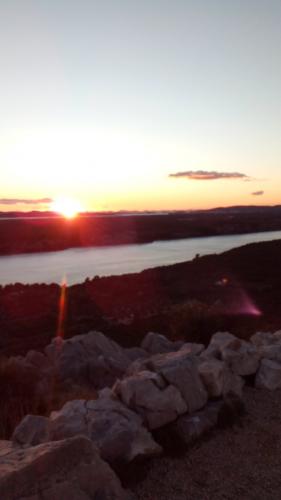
x=67 y=207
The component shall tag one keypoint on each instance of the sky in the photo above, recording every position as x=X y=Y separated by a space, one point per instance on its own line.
x=140 y=105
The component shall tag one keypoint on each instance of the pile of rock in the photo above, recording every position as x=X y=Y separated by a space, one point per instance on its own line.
x=183 y=388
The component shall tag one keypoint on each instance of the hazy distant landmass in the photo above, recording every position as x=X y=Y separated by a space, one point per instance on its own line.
x=46 y=231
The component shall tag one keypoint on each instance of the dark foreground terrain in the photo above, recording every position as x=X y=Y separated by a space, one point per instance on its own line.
x=238 y=462
x=37 y=232
x=238 y=291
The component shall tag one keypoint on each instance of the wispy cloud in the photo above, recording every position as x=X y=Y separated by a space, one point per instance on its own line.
x=257 y=193
x=24 y=201
x=204 y=175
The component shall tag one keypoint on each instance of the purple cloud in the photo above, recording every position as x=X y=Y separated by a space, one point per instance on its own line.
x=257 y=193
x=203 y=175
x=24 y=201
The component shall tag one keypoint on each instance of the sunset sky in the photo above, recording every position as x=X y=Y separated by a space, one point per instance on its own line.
x=136 y=105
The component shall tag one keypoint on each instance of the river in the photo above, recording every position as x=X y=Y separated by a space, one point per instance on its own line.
x=77 y=264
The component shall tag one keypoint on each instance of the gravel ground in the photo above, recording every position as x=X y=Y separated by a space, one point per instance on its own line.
x=242 y=462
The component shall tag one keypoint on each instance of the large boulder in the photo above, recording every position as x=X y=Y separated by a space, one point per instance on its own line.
x=232 y=386
x=219 y=380
x=70 y=469
x=272 y=352
x=151 y=397
x=260 y=339
x=212 y=373
x=154 y=343
x=218 y=342
x=90 y=359
x=190 y=428
x=119 y=432
x=192 y=348
x=32 y=430
x=115 y=429
x=277 y=336
x=223 y=340
x=135 y=353
x=243 y=358
x=180 y=369
x=269 y=375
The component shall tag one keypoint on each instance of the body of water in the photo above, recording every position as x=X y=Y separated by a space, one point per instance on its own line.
x=77 y=264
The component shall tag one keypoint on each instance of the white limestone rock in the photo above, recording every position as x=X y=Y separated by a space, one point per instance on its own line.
x=181 y=370
x=219 y=380
x=193 y=348
x=117 y=431
x=32 y=430
x=223 y=340
x=242 y=359
x=154 y=343
x=88 y=359
x=148 y=394
x=260 y=339
x=272 y=352
x=212 y=373
x=190 y=428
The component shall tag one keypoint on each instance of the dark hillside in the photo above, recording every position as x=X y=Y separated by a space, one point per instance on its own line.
x=237 y=291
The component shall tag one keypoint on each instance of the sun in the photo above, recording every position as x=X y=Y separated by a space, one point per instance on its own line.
x=67 y=207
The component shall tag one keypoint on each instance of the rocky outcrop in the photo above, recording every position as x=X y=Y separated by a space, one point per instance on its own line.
x=68 y=469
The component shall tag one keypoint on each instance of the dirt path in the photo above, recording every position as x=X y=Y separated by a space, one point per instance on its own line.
x=242 y=462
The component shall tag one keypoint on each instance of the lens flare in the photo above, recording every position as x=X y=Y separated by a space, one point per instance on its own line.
x=62 y=309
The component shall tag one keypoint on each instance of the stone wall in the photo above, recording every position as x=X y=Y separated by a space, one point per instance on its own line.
x=181 y=388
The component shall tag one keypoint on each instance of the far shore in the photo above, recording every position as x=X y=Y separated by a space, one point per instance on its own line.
x=33 y=234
